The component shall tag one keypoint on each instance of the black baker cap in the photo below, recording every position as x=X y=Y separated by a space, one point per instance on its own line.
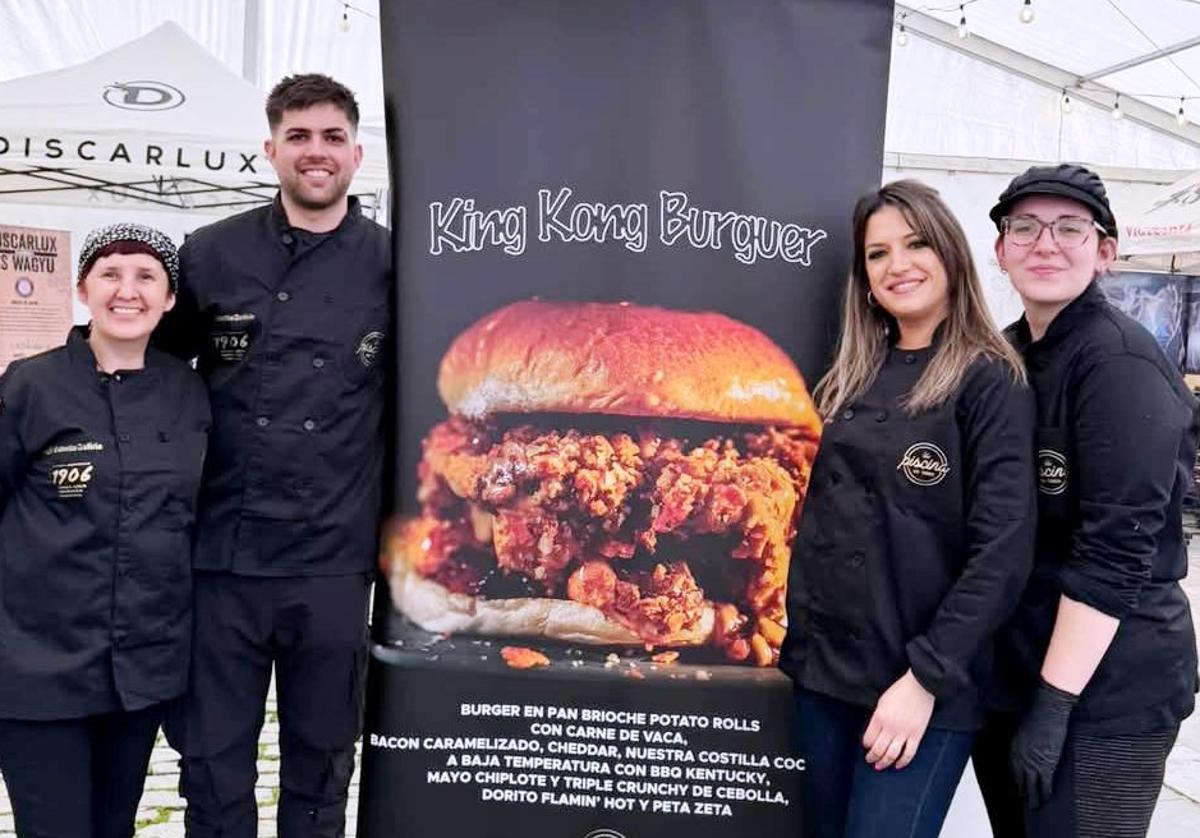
x=1068 y=180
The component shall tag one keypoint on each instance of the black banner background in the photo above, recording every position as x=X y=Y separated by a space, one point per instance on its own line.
x=772 y=109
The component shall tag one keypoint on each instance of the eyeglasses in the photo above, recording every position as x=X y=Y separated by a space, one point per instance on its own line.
x=1068 y=231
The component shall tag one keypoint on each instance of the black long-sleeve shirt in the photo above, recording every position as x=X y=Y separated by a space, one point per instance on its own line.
x=291 y=333
x=916 y=539
x=1116 y=436
x=98 y=482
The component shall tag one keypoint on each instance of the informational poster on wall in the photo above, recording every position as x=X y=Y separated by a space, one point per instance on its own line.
x=35 y=291
x=622 y=232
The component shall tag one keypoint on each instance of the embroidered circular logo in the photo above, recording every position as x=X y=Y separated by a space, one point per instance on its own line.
x=1052 y=472
x=924 y=464
x=368 y=348
x=24 y=286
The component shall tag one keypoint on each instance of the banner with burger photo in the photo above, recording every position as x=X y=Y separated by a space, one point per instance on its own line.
x=621 y=231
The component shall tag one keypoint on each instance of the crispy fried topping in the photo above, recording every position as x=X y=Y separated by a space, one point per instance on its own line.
x=622 y=521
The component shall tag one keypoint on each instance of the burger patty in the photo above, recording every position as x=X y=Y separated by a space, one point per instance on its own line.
x=644 y=526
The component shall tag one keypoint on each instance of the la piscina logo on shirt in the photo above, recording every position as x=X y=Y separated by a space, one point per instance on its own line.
x=1052 y=472
x=924 y=464
x=368 y=348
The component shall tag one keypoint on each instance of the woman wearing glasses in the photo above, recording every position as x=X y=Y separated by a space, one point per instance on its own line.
x=1101 y=655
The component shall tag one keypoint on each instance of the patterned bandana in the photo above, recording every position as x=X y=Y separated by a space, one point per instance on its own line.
x=157 y=241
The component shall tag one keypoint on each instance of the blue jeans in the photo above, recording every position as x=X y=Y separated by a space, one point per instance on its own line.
x=847 y=798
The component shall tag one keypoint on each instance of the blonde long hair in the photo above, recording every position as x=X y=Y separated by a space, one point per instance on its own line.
x=966 y=334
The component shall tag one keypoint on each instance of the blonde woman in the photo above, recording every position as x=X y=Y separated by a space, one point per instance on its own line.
x=918 y=528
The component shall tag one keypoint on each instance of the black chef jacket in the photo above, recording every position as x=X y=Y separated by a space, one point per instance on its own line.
x=1116 y=439
x=290 y=330
x=98 y=482
x=916 y=540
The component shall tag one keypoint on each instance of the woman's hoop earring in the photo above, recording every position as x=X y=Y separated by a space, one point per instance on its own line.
x=871 y=299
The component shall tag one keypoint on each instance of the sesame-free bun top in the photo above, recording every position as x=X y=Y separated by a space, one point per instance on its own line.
x=624 y=360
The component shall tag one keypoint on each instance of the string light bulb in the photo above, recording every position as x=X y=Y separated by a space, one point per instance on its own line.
x=1027 y=12
x=963 y=32
x=1117 y=113
x=1181 y=117
x=344 y=24
x=1066 y=102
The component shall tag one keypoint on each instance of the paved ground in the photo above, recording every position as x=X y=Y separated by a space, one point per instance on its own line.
x=1178 y=812
x=161 y=812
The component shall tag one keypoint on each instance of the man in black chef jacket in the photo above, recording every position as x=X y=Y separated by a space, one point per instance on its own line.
x=286 y=308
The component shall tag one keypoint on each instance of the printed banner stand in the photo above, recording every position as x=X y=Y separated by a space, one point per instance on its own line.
x=622 y=233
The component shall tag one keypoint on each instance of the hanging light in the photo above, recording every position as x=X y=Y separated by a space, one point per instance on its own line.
x=902 y=37
x=1066 y=102
x=1181 y=117
x=1117 y=113
x=1027 y=12
x=344 y=24
x=963 y=32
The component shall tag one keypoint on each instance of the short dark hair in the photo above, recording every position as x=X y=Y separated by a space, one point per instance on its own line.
x=295 y=93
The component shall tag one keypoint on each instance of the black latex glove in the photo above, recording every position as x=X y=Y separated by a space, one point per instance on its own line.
x=1037 y=746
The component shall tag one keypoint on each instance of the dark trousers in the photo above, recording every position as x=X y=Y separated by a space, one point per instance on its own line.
x=1104 y=786
x=78 y=777
x=314 y=631
x=845 y=797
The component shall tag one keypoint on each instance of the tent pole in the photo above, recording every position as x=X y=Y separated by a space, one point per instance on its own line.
x=250 y=42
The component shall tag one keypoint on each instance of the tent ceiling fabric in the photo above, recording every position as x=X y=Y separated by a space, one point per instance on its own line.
x=997 y=94
x=1084 y=37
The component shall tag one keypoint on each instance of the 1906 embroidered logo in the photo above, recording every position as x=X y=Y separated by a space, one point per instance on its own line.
x=1052 y=472
x=71 y=479
x=924 y=464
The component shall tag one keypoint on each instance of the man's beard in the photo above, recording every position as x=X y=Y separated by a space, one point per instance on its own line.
x=303 y=198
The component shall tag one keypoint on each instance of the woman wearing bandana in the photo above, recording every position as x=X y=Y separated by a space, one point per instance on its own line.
x=101 y=445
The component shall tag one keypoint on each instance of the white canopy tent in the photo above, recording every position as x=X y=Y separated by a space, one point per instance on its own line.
x=157 y=120
x=156 y=131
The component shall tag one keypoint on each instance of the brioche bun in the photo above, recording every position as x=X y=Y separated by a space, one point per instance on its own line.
x=624 y=360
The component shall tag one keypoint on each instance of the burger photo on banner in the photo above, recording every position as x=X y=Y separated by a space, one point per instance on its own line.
x=609 y=477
